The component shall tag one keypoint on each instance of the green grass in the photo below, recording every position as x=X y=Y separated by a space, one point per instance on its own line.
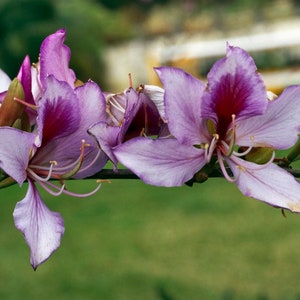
x=132 y=241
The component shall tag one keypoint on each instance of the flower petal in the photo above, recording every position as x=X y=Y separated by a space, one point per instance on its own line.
x=93 y=109
x=15 y=151
x=107 y=138
x=4 y=81
x=156 y=95
x=278 y=127
x=55 y=58
x=92 y=103
x=146 y=119
x=234 y=87
x=58 y=111
x=268 y=183
x=24 y=77
x=183 y=94
x=161 y=162
x=42 y=228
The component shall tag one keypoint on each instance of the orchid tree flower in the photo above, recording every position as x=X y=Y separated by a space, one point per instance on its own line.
x=226 y=120
x=58 y=148
x=129 y=114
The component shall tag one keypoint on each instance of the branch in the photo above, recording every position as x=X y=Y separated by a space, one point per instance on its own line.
x=127 y=174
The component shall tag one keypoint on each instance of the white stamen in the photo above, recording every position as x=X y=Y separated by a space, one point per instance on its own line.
x=60 y=189
x=39 y=178
x=222 y=166
x=242 y=153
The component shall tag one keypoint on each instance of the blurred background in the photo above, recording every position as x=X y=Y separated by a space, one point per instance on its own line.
x=132 y=241
x=110 y=38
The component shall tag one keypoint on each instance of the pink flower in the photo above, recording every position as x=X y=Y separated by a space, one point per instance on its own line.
x=212 y=121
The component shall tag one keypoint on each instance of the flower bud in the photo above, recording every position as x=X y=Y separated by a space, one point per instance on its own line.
x=10 y=109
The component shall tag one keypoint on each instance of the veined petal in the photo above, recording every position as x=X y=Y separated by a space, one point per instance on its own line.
x=42 y=228
x=269 y=184
x=107 y=138
x=55 y=58
x=92 y=103
x=132 y=107
x=58 y=111
x=234 y=87
x=183 y=96
x=146 y=119
x=156 y=95
x=161 y=162
x=15 y=149
x=24 y=77
x=278 y=127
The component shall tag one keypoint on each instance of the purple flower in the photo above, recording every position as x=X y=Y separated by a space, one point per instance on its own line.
x=58 y=148
x=129 y=114
x=218 y=120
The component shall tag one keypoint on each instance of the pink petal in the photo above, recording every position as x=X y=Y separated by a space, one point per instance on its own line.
x=161 y=162
x=234 y=87
x=55 y=58
x=42 y=228
x=107 y=138
x=156 y=95
x=58 y=111
x=24 y=77
x=278 y=127
x=15 y=149
x=268 y=183
x=183 y=96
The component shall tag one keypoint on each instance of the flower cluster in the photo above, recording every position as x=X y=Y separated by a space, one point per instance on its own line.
x=53 y=127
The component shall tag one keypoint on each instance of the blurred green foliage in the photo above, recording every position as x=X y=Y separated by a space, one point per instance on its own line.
x=94 y=24
x=90 y=26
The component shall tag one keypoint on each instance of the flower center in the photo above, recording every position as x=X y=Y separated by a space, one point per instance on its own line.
x=43 y=174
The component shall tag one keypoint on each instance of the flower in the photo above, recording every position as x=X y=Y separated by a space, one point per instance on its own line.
x=129 y=114
x=58 y=148
x=216 y=121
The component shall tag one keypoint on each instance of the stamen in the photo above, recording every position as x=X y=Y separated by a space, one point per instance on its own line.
x=116 y=104
x=92 y=162
x=130 y=80
x=232 y=140
x=32 y=106
x=212 y=147
x=146 y=117
x=242 y=153
x=86 y=194
x=206 y=147
x=38 y=178
x=222 y=166
x=78 y=165
x=61 y=190
x=255 y=166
